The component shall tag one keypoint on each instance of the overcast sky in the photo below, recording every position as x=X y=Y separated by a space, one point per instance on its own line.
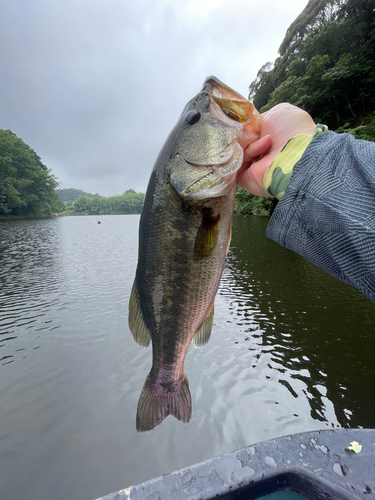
x=95 y=86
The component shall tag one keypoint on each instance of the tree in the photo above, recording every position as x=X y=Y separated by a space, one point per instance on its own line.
x=71 y=194
x=261 y=88
x=311 y=20
x=129 y=203
x=326 y=65
x=26 y=184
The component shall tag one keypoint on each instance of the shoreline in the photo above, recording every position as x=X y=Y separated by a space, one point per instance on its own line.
x=25 y=217
x=51 y=216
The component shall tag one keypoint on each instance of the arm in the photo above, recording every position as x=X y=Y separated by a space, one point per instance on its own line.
x=327 y=213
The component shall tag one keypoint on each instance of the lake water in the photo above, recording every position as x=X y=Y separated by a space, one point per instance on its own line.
x=292 y=350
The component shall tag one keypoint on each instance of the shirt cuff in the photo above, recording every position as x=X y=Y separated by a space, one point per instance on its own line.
x=280 y=171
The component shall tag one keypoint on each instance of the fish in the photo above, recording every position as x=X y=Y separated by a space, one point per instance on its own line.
x=184 y=237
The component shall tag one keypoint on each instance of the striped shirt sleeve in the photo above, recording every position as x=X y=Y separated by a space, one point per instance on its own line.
x=327 y=213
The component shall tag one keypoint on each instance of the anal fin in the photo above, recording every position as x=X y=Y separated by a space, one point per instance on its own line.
x=203 y=334
x=136 y=322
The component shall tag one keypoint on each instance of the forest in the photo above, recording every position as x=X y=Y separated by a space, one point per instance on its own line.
x=129 y=202
x=326 y=66
x=27 y=186
x=71 y=194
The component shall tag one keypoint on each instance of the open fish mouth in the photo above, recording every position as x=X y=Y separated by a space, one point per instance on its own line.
x=238 y=111
x=241 y=112
x=227 y=110
x=219 y=170
x=233 y=104
x=219 y=89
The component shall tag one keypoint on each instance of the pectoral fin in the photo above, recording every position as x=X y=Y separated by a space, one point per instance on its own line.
x=203 y=334
x=206 y=239
x=136 y=322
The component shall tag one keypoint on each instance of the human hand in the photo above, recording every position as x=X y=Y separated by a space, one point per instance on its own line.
x=279 y=124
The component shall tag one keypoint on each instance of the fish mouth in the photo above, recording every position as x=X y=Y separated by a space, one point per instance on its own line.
x=219 y=170
x=218 y=186
x=217 y=88
x=229 y=109
x=233 y=104
x=219 y=180
x=241 y=113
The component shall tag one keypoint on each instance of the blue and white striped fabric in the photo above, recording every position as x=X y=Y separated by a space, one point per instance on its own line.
x=327 y=213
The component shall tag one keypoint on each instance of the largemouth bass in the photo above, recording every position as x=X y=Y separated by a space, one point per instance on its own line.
x=184 y=236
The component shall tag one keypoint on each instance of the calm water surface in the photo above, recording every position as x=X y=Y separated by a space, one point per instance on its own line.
x=292 y=350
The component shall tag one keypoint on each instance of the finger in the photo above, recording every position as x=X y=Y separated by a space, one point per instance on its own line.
x=257 y=148
x=251 y=179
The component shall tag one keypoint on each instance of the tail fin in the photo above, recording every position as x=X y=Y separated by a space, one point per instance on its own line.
x=153 y=408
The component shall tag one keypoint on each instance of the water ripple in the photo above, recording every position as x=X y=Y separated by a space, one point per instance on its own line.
x=291 y=350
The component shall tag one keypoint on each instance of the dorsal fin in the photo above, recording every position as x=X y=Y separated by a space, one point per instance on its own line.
x=136 y=322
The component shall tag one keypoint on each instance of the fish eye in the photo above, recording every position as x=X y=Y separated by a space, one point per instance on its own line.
x=192 y=117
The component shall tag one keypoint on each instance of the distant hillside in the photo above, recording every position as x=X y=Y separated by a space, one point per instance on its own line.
x=71 y=194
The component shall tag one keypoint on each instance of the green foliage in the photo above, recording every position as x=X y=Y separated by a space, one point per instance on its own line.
x=69 y=209
x=311 y=20
x=26 y=185
x=71 y=194
x=365 y=131
x=326 y=65
x=128 y=203
x=261 y=88
x=247 y=203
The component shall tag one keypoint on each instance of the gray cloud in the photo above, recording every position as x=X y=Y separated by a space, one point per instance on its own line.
x=95 y=87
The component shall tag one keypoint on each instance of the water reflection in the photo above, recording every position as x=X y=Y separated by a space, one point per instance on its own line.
x=291 y=350
x=316 y=331
x=28 y=283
